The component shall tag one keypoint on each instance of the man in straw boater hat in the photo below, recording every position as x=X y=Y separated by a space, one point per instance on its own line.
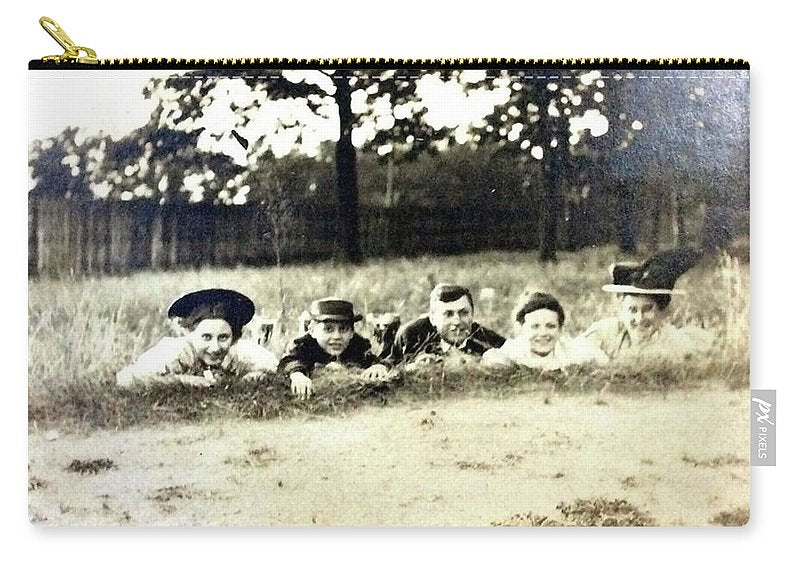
x=331 y=340
x=641 y=328
x=211 y=322
x=447 y=329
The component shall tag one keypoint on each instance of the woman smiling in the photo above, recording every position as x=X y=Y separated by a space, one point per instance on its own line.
x=212 y=321
x=642 y=327
x=539 y=342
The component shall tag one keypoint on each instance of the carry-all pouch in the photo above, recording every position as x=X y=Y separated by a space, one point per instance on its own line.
x=388 y=292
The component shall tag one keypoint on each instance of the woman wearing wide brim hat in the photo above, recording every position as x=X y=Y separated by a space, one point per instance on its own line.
x=645 y=292
x=211 y=322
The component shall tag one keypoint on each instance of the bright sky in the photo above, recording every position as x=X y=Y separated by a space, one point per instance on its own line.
x=110 y=101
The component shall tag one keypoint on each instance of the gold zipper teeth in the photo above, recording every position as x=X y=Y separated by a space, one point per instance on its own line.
x=440 y=62
x=73 y=56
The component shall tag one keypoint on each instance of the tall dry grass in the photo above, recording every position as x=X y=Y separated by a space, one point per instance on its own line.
x=82 y=331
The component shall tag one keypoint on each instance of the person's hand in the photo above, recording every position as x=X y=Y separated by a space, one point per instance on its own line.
x=125 y=377
x=496 y=359
x=457 y=360
x=192 y=380
x=185 y=359
x=423 y=360
x=375 y=373
x=301 y=385
x=253 y=376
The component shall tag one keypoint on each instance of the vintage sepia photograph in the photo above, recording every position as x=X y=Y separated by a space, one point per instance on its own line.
x=445 y=297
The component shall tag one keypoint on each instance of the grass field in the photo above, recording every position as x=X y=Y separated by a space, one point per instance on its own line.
x=82 y=331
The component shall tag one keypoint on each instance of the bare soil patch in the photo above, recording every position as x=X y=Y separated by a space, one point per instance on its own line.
x=657 y=458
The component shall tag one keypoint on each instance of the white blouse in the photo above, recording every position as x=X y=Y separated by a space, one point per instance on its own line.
x=243 y=357
x=567 y=352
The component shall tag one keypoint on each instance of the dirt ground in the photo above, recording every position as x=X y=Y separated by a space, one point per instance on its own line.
x=682 y=457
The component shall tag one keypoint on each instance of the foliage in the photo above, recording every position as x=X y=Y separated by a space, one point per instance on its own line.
x=235 y=99
x=61 y=166
x=458 y=176
x=541 y=120
x=586 y=512
x=736 y=517
x=36 y=483
x=102 y=404
x=90 y=466
x=222 y=135
x=149 y=162
x=715 y=462
x=603 y=512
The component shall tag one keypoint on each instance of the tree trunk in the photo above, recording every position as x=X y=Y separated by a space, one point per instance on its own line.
x=678 y=217
x=717 y=222
x=91 y=239
x=551 y=206
x=33 y=246
x=172 y=220
x=121 y=231
x=105 y=232
x=349 y=243
x=65 y=265
x=157 y=239
x=44 y=217
x=656 y=204
x=626 y=222
x=389 y=182
x=79 y=234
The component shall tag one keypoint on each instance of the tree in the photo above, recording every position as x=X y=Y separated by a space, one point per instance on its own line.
x=685 y=135
x=546 y=120
x=60 y=169
x=694 y=139
x=60 y=165
x=312 y=98
x=609 y=157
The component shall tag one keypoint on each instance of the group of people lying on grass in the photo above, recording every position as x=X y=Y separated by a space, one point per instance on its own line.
x=212 y=321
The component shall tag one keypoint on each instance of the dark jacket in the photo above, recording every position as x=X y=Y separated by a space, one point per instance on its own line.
x=306 y=354
x=421 y=337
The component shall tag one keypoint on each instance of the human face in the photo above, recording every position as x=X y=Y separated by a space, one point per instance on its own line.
x=332 y=336
x=641 y=316
x=211 y=339
x=453 y=320
x=542 y=330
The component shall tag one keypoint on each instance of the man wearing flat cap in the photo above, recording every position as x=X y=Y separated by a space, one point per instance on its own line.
x=447 y=328
x=330 y=340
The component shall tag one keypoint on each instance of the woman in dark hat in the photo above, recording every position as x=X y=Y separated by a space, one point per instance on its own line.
x=538 y=342
x=212 y=322
x=641 y=327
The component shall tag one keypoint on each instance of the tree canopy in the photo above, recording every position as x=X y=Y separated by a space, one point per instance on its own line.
x=219 y=136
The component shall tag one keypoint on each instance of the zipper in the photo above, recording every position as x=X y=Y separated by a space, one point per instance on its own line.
x=72 y=51
x=80 y=56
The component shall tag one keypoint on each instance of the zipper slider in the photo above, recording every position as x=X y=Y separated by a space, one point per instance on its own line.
x=72 y=52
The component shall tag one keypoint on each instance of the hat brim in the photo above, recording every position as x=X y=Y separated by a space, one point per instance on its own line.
x=240 y=306
x=610 y=288
x=336 y=318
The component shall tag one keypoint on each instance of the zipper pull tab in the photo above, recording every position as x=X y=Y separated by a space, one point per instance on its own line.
x=72 y=52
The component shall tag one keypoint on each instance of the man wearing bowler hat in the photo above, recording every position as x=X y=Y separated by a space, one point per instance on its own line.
x=447 y=328
x=330 y=340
